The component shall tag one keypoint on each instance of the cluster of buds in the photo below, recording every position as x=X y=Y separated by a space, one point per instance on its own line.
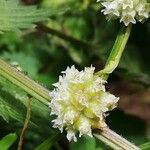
x=80 y=102
x=128 y=11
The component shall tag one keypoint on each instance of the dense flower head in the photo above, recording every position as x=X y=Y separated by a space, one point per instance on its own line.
x=80 y=102
x=128 y=11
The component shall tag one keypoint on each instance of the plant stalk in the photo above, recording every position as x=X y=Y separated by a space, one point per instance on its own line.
x=24 y=82
x=114 y=140
x=26 y=123
x=116 y=52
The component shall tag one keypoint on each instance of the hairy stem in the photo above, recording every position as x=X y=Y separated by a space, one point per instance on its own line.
x=24 y=82
x=116 y=52
x=114 y=140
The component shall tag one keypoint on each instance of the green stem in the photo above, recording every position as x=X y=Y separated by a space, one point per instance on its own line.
x=24 y=82
x=26 y=123
x=114 y=140
x=116 y=53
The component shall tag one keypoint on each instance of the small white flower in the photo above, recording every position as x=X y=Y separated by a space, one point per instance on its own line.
x=69 y=117
x=142 y=12
x=85 y=127
x=110 y=8
x=71 y=135
x=127 y=4
x=128 y=17
x=128 y=11
x=79 y=102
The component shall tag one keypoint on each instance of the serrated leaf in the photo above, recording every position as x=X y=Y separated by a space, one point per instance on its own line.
x=7 y=141
x=14 y=16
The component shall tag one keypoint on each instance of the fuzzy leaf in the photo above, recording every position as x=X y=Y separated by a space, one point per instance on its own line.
x=14 y=16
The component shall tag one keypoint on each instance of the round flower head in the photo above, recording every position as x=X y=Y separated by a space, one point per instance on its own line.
x=128 y=11
x=79 y=102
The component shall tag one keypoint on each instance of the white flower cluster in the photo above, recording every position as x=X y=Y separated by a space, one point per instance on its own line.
x=129 y=11
x=79 y=102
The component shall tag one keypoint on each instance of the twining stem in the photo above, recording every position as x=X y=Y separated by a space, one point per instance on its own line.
x=24 y=82
x=114 y=140
x=27 y=120
x=116 y=52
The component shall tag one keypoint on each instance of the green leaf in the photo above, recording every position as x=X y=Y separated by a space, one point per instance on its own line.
x=46 y=145
x=9 y=106
x=7 y=141
x=14 y=16
x=145 y=146
x=13 y=103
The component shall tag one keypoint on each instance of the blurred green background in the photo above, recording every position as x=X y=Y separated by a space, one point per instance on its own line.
x=81 y=37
